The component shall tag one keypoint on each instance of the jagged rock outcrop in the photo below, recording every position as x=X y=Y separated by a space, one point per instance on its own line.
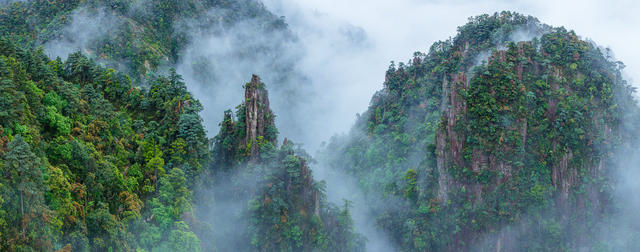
x=525 y=113
x=522 y=60
x=258 y=116
x=241 y=140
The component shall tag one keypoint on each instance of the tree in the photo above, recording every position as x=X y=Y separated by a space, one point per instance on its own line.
x=11 y=107
x=173 y=198
x=191 y=130
x=181 y=239
x=150 y=236
x=24 y=201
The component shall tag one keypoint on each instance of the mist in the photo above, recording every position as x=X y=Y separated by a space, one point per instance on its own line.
x=342 y=186
x=219 y=61
x=623 y=232
x=313 y=96
x=86 y=27
x=324 y=72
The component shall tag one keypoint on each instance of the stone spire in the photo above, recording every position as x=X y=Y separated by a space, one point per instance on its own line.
x=258 y=115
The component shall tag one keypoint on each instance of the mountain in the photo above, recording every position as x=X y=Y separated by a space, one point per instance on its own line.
x=103 y=147
x=287 y=208
x=502 y=138
x=213 y=44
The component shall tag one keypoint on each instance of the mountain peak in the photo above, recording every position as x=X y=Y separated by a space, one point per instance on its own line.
x=258 y=117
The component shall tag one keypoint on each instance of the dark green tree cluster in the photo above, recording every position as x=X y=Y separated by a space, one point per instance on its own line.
x=287 y=208
x=290 y=211
x=512 y=152
x=88 y=161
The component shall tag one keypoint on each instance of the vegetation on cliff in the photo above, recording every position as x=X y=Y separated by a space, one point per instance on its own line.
x=287 y=208
x=98 y=159
x=138 y=37
x=503 y=137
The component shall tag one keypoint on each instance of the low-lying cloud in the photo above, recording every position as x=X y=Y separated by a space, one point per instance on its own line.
x=86 y=27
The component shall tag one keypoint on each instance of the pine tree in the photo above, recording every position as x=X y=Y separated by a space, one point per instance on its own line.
x=29 y=218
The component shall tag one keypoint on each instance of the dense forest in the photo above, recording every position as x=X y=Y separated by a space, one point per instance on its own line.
x=95 y=158
x=91 y=161
x=100 y=159
x=507 y=137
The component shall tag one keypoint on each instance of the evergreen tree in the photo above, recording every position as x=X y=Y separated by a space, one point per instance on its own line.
x=30 y=222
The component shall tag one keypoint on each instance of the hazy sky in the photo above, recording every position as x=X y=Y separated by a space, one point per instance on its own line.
x=393 y=30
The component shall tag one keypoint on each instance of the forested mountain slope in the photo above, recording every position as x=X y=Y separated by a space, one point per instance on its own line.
x=214 y=44
x=502 y=138
x=137 y=37
x=91 y=161
x=508 y=137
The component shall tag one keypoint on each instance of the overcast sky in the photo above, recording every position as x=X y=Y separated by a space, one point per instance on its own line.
x=393 y=30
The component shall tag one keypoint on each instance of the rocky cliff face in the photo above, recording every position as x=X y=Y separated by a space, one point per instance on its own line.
x=258 y=117
x=241 y=140
x=534 y=108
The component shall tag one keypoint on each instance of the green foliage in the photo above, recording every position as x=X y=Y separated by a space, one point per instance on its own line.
x=291 y=213
x=411 y=192
x=181 y=239
x=56 y=121
x=31 y=222
x=93 y=160
x=88 y=160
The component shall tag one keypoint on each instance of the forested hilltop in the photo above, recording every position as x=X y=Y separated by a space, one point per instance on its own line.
x=503 y=138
